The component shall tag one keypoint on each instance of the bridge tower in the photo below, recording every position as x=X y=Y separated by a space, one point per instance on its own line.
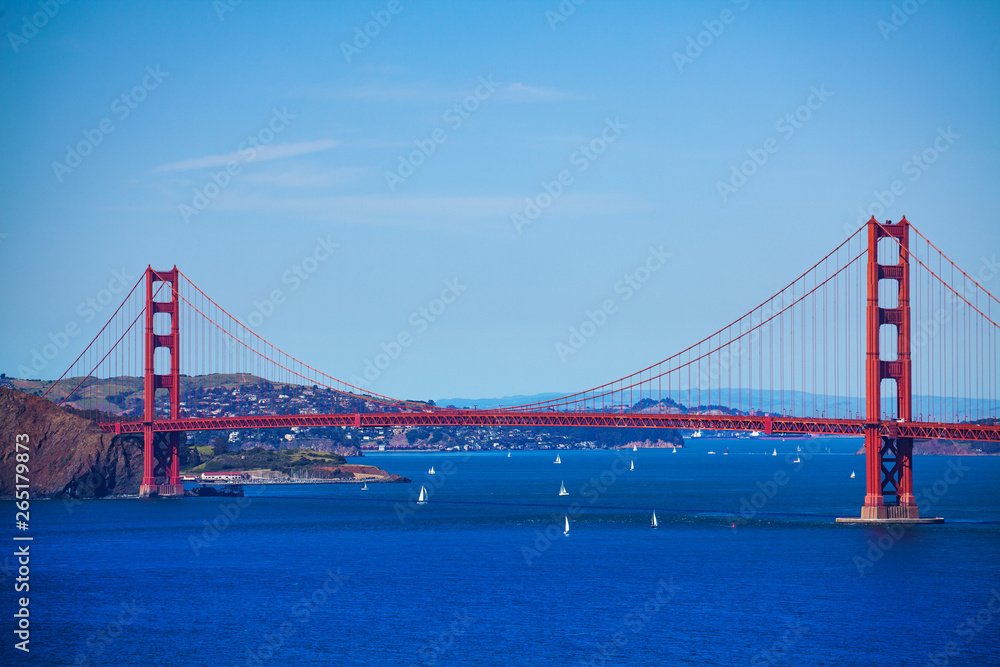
x=889 y=464
x=161 y=463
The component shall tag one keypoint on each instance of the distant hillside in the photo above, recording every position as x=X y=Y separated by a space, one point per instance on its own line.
x=489 y=403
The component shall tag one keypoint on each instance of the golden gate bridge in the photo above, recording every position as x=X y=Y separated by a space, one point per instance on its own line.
x=890 y=338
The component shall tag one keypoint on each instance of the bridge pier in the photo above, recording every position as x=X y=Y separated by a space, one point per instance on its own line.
x=888 y=458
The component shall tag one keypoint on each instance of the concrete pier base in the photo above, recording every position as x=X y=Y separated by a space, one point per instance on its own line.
x=898 y=521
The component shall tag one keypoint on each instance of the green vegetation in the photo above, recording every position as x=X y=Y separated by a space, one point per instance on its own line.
x=266 y=459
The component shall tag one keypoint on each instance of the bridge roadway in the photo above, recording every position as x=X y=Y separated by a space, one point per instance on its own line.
x=766 y=425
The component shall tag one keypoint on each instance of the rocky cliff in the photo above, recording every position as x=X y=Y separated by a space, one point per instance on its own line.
x=69 y=455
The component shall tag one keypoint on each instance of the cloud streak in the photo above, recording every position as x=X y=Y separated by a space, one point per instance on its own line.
x=260 y=154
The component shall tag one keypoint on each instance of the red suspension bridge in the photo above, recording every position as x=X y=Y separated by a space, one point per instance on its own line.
x=884 y=337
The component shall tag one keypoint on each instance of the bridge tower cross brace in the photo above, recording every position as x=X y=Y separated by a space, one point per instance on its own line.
x=161 y=463
x=889 y=459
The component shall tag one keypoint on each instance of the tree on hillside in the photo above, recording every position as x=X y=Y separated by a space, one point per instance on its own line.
x=220 y=446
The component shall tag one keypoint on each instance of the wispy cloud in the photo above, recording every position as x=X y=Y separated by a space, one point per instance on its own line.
x=259 y=154
x=423 y=92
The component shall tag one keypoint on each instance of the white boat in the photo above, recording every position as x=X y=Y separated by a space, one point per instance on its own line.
x=775 y=452
x=711 y=452
x=508 y=454
x=655 y=523
x=566 y=532
x=634 y=448
x=797 y=448
x=755 y=434
x=675 y=450
x=422 y=500
x=797 y=459
x=726 y=453
x=365 y=487
x=631 y=465
x=852 y=474
x=431 y=471
x=696 y=434
x=562 y=489
x=558 y=460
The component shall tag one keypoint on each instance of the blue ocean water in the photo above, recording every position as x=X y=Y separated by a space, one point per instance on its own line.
x=483 y=574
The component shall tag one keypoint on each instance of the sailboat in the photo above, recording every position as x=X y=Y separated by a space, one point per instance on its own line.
x=566 y=532
x=558 y=460
x=726 y=453
x=696 y=434
x=631 y=465
x=422 y=500
x=798 y=448
x=365 y=487
x=775 y=452
x=675 y=450
x=797 y=459
x=655 y=523
x=562 y=489
x=634 y=448
x=508 y=454
x=852 y=474
x=431 y=471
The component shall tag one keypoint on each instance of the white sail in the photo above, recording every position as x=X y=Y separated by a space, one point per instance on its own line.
x=775 y=452
x=423 y=495
x=852 y=474
x=634 y=448
x=558 y=460
x=631 y=465
x=508 y=454
x=566 y=532
x=797 y=459
x=675 y=450
x=562 y=489
x=365 y=487
x=655 y=523
x=431 y=471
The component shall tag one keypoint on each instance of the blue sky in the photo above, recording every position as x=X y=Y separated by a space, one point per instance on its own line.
x=200 y=78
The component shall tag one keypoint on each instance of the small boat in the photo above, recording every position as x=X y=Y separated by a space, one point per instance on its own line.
x=562 y=489
x=710 y=452
x=852 y=474
x=631 y=465
x=755 y=434
x=634 y=448
x=566 y=531
x=431 y=471
x=364 y=486
x=558 y=460
x=726 y=453
x=775 y=452
x=797 y=448
x=422 y=500
x=675 y=450
x=508 y=454
x=696 y=434
x=655 y=523
x=797 y=459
